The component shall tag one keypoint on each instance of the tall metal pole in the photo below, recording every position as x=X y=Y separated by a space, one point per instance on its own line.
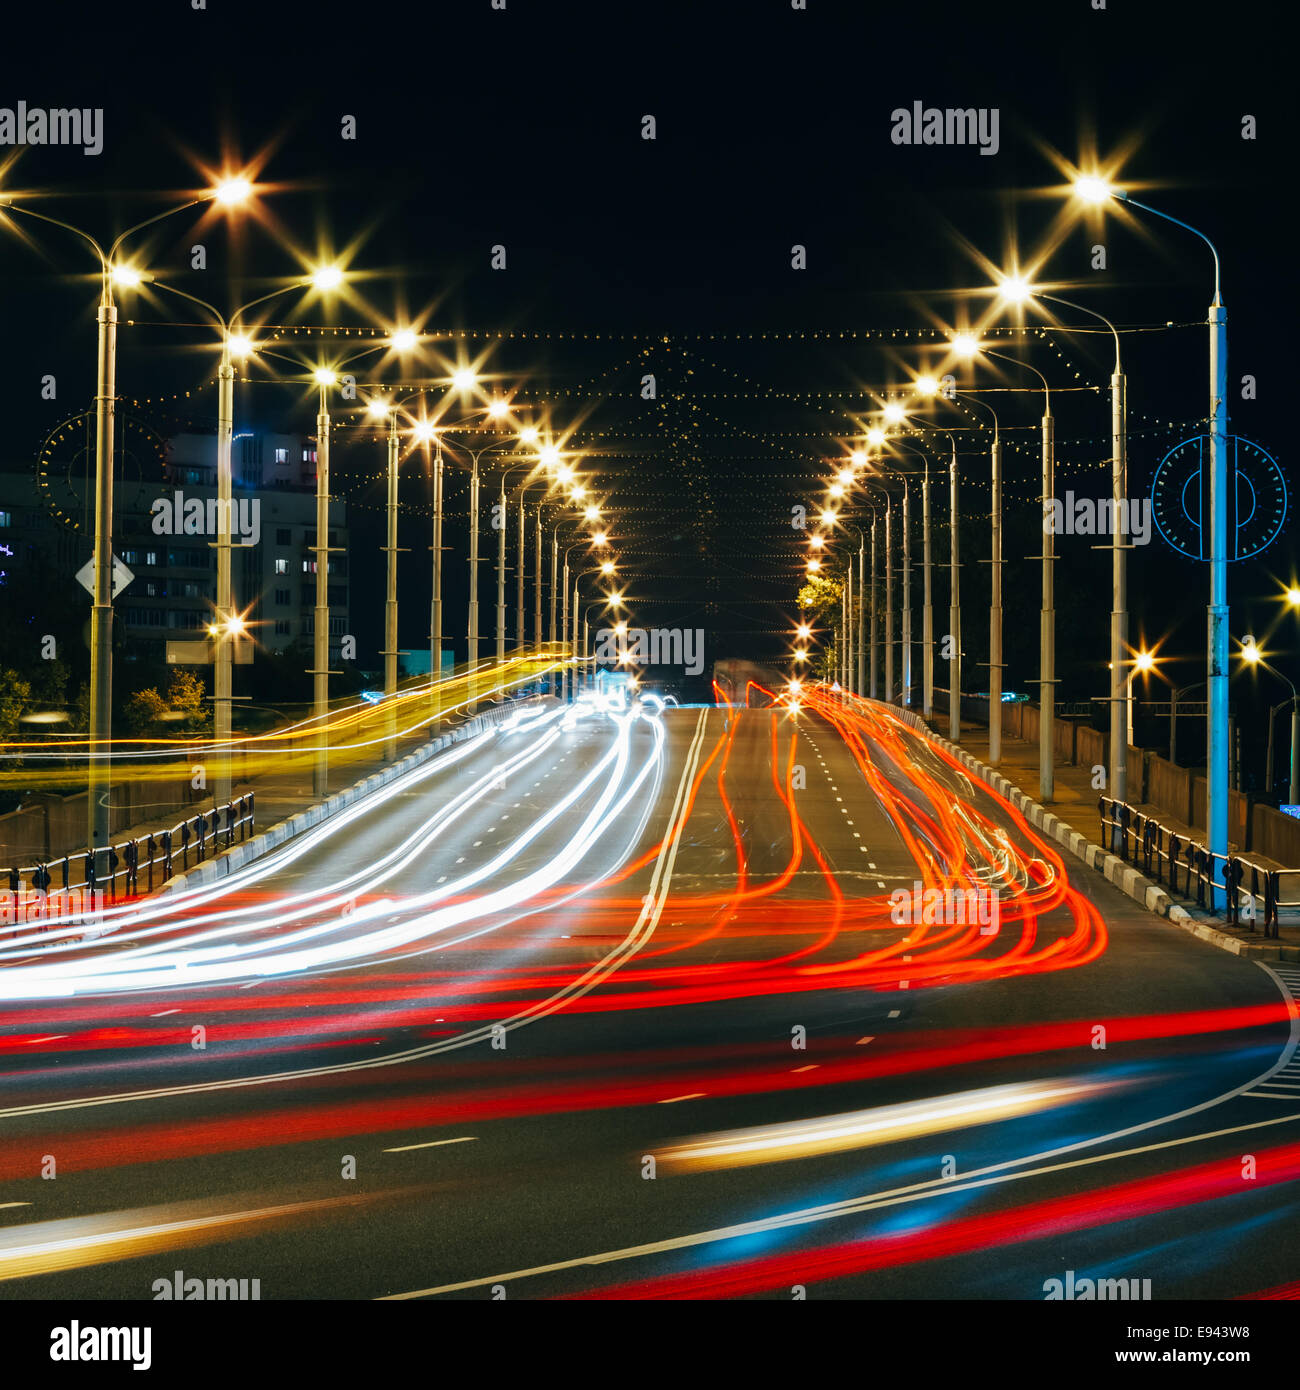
x=1047 y=628
x=1217 y=735
x=1216 y=766
x=473 y=582
x=537 y=577
x=906 y=692
x=875 y=621
x=321 y=634
x=849 y=665
x=390 y=597
x=995 y=611
x=927 y=602
x=222 y=675
x=1293 y=789
x=555 y=561
x=522 y=540
x=862 y=613
x=843 y=651
x=1119 y=690
x=573 y=648
x=1119 y=595
x=501 y=573
x=435 y=605
x=99 y=773
x=564 y=628
x=889 y=609
x=954 y=601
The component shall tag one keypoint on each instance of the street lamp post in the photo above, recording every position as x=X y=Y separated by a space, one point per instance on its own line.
x=1217 y=740
x=862 y=614
x=905 y=694
x=1047 y=612
x=537 y=570
x=875 y=621
x=1143 y=662
x=927 y=598
x=100 y=753
x=1119 y=548
x=889 y=607
x=927 y=603
x=995 y=585
x=435 y=602
x=1253 y=655
x=321 y=621
x=954 y=601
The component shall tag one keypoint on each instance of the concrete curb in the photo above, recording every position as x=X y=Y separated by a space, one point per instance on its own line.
x=1124 y=876
x=237 y=856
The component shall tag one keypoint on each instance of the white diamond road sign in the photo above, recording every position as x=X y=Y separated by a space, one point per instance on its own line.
x=121 y=577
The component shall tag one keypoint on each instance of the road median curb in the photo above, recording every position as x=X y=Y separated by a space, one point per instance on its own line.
x=1128 y=879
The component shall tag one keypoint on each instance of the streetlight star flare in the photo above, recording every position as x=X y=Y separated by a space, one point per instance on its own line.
x=1091 y=188
x=232 y=192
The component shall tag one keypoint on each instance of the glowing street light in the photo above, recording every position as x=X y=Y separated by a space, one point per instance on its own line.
x=1089 y=188
x=1015 y=289
x=1093 y=189
x=327 y=277
x=1144 y=662
x=232 y=192
x=112 y=272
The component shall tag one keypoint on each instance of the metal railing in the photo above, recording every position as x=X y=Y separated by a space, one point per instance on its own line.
x=126 y=860
x=1188 y=868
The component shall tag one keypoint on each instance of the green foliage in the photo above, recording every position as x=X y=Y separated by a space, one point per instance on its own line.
x=819 y=596
x=14 y=695
x=183 y=708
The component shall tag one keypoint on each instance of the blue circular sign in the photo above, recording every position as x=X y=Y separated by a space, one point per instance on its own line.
x=1257 y=498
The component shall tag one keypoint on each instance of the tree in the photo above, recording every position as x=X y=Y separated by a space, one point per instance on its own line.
x=820 y=596
x=183 y=704
x=144 y=709
x=14 y=695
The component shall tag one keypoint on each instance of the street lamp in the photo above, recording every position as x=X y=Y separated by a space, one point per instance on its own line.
x=464 y=380
x=1119 y=546
x=1098 y=191
x=968 y=347
x=1144 y=662
x=1254 y=657
x=229 y=194
x=234 y=345
x=1014 y=290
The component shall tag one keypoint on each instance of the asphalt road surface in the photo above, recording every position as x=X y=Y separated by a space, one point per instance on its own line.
x=634 y=1007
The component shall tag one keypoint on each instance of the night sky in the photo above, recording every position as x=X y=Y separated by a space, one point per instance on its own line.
x=523 y=127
